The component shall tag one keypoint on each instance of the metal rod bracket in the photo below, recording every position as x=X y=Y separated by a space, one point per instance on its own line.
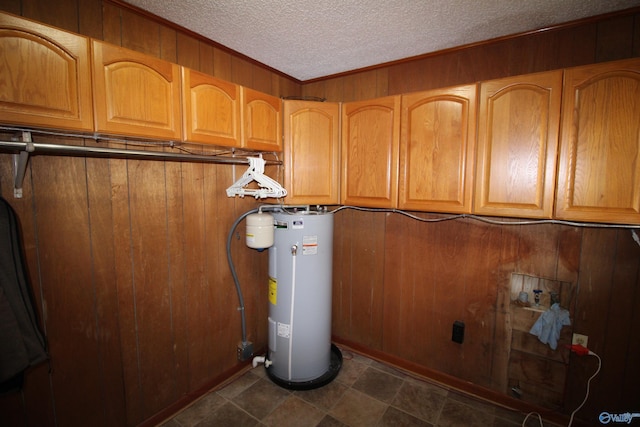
x=20 y=161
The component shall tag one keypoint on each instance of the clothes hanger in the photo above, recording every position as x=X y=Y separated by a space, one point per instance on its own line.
x=268 y=186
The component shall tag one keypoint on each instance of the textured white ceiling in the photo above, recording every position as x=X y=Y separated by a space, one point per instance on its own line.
x=307 y=39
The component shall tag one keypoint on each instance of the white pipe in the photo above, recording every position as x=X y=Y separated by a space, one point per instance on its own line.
x=261 y=359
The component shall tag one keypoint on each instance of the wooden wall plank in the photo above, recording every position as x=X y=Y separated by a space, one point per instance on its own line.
x=206 y=59
x=222 y=64
x=594 y=286
x=107 y=331
x=199 y=307
x=483 y=62
x=334 y=90
x=11 y=6
x=619 y=327
x=112 y=24
x=140 y=34
x=177 y=275
x=573 y=46
x=151 y=293
x=188 y=51
x=480 y=295
x=538 y=251
x=446 y=249
x=261 y=79
x=398 y=311
x=63 y=228
x=366 y=255
x=122 y=239
x=615 y=38
x=289 y=88
x=62 y=14
x=241 y=71
x=316 y=89
x=221 y=214
x=340 y=296
x=90 y=18
x=168 y=44
x=636 y=36
x=631 y=381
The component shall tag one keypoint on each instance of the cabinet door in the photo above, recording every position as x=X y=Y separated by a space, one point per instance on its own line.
x=135 y=94
x=437 y=148
x=599 y=170
x=311 y=152
x=45 y=76
x=518 y=127
x=370 y=145
x=261 y=120
x=211 y=109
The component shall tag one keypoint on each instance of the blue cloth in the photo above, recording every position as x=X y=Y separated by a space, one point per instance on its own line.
x=548 y=326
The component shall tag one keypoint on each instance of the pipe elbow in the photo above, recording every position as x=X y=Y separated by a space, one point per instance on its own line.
x=261 y=359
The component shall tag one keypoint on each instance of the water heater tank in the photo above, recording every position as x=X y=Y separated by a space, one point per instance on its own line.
x=300 y=274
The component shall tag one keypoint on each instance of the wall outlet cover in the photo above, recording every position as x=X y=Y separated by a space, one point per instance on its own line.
x=579 y=339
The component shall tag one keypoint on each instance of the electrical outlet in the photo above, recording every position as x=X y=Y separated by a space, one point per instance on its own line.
x=579 y=339
x=457 y=335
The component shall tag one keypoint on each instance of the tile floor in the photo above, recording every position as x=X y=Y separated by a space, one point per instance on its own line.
x=365 y=393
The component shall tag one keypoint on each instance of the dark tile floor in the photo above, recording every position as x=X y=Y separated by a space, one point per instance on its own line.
x=365 y=393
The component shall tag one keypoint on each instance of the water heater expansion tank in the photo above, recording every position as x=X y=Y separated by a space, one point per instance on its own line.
x=301 y=355
x=259 y=230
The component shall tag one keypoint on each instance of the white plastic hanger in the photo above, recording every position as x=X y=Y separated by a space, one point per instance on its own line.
x=268 y=186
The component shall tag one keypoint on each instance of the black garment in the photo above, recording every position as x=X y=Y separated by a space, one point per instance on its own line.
x=21 y=343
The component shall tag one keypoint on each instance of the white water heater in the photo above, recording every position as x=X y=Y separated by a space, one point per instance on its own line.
x=301 y=355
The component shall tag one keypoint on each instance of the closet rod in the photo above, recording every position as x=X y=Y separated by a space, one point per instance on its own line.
x=35 y=148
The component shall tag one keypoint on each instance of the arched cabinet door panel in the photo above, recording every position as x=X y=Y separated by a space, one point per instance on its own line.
x=211 y=109
x=261 y=120
x=45 y=76
x=518 y=125
x=599 y=170
x=135 y=94
x=370 y=145
x=437 y=148
x=312 y=152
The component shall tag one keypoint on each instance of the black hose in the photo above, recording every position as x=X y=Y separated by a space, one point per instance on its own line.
x=233 y=272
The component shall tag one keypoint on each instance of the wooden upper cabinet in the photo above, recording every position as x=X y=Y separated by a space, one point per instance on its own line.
x=437 y=148
x=211 y=109
x=262 y=121
x=312 y=152
x=135 y=94
x=518 y=126
x=370 y=145
x=45 y=76
x=599 y=166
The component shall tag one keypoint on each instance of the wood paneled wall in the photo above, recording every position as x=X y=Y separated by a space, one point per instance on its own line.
x=129 y=273
x=128 y=266
x=127 y=258
x=399 y=284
